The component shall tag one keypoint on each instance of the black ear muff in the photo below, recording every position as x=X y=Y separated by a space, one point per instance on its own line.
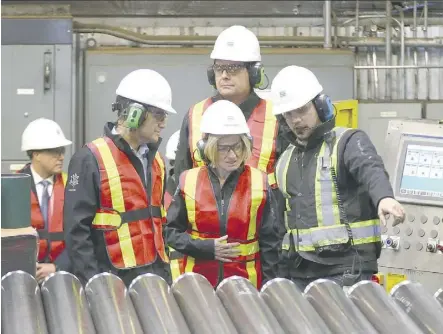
x=256 y=74
x=211 y=75
x=199 y=155
x=324 y=107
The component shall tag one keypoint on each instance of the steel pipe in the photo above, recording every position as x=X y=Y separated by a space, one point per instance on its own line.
x=22 y=308
x=439 y=296
x=293 y=312
x=65 y=305
x=421 y=307
x=388 y=50
x=111 y=307
x=200 y=306
x=327 y=14
x=336 y=310
x=245 y=307
x=156 y=307
x=396 y=67
x=381 y=311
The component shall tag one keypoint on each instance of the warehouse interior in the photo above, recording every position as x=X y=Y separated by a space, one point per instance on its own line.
x=381 y=62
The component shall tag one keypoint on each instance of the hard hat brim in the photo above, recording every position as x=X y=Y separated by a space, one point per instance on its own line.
x=61 y=143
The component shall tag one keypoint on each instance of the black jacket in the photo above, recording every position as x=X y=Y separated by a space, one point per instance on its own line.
x=62 y=261
x=177 y=224
x=183 y=160
x=85 y=245
x=362 y=183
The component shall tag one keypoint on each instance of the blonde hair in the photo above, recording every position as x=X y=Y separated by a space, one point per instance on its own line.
x=211 y=149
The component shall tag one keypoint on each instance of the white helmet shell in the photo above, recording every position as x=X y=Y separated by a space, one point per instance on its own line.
x=172 y=144
x=42 y=134
x=148 y=87
x=292 y=88
x=237 y=43
x=224 y=118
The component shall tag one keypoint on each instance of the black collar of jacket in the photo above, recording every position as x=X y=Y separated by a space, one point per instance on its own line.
x=316 y=137
x=247 y=106
x=238 y=171
x=123 y=144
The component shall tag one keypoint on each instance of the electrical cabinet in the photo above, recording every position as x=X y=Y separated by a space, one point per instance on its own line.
x=36 y=81
x=346 y=113
x=434 y=110
x=373 y=118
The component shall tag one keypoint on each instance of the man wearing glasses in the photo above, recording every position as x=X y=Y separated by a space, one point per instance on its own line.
x=44 y=142
x=114 y=199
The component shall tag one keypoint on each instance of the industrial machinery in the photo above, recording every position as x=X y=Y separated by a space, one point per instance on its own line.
x=414 y=160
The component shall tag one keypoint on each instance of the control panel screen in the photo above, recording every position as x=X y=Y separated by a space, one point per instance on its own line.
x=422 y=175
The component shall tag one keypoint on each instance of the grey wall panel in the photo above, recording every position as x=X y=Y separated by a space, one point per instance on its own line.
x=374 y=118
x=185 y=69
x=434 y=110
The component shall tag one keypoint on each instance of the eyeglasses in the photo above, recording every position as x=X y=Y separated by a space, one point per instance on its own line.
x=159 y=115
x=229 y=68
x=299 y=112
x=225 y=149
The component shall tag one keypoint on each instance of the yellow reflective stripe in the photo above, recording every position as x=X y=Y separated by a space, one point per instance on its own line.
x=271 y=179
x=245 y=249
x=161 y=164
x=190 y=188
x=281 y=169
x=118 y=203
x=108 y=219
x=197 y=113
x=257 y=192
x=64 y=178
x=318 y=190
x=174 y=265
x=267 y=141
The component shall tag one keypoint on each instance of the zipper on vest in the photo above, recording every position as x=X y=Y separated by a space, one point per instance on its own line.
x=222 y=206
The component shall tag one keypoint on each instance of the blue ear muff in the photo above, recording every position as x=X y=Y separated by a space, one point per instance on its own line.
x=324 y=107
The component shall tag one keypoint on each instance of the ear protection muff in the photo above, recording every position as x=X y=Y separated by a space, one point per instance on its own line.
x=136 y=115
x=324 y=107
x=256 y=73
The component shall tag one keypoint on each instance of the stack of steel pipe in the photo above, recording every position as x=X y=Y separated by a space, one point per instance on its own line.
x=22 y=308
x=381 y=310
x=336 y=309
x=111 y=306
x=156 y=307
x=245 y=307
x=420 y=306
x=65 y=305
x=200 y=306
x=294 y=313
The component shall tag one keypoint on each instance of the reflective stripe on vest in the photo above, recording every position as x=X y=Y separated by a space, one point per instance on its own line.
x=330 y=231
x=132 y=226
x=52 y=239
x=263 y=128
x=237 y=211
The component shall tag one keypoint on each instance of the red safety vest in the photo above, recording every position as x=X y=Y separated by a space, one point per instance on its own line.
x=245 y=210
x=132 y=224
x=51 y=241
x=263 y=127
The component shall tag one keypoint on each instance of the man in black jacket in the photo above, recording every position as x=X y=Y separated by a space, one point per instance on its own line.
x=113 y=213
x=335 y=186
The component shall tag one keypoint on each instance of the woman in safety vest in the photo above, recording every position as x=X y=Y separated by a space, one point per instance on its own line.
x=221 y=217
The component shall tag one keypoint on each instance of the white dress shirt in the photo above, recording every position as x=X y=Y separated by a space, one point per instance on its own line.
x=39 y=187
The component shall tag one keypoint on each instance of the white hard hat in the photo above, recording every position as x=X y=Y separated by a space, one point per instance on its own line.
x=292 y=88
x=43 y=134
x=147 y=87
x=224 y=118
x=237 y=43
x=171 y=145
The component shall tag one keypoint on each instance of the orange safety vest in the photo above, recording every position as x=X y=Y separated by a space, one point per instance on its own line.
x=52 y=240
x=244 y=215
x=132 y=224
x=263 y=127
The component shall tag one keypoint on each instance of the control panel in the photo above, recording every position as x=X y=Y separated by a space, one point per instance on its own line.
x=413 y=157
